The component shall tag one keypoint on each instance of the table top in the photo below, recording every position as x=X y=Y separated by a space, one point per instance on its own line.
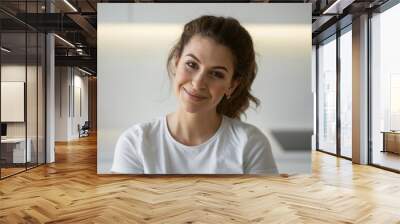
x=13 y=140
x=391 y=132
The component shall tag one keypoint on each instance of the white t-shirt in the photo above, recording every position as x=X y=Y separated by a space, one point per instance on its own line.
x=236 y=148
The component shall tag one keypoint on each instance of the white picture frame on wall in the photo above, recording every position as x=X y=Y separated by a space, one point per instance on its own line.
x=12 y=101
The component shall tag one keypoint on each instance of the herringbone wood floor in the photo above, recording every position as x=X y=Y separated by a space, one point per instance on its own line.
x=70 y=191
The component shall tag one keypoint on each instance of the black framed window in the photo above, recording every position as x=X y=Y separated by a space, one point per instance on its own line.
x=334 y=94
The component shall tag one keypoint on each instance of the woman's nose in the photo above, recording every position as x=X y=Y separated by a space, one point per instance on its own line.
x=199 y=81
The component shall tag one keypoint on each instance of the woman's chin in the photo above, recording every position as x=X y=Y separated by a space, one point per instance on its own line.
x=193 y=109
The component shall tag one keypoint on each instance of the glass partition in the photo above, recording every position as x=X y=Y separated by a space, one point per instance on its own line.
x=22 y=77
x=13 y=109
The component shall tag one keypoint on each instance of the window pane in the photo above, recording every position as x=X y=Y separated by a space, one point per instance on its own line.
x=346 y=94
x=14 y=150
x=327 y=96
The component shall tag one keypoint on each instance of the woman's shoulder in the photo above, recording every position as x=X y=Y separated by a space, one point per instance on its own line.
x=143 y=128
x=245 y=133
x=242 y=127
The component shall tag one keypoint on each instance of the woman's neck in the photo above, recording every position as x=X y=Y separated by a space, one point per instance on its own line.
x=193 y=128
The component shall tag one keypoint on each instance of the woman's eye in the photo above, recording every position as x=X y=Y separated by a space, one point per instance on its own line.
x=191 y=65
x=218 y=75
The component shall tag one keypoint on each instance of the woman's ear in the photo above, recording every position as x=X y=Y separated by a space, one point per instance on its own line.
x=234 y=85
x=174 y=63
x=176 y=59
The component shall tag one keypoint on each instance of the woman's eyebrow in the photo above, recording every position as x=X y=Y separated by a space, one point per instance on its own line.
x=215 y=67
x=221 y=67
x=191 y=55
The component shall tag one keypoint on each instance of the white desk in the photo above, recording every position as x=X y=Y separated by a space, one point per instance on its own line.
x=18 y=145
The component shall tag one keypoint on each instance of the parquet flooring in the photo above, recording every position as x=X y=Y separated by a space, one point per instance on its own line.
x=9 y=171
x=70 y=191
x=387 y=159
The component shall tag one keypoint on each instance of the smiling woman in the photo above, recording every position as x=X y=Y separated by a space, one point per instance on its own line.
x=212 y=68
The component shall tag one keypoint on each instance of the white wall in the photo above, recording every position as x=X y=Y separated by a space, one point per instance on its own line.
x=61 y=103
x=133 y=44
x=68 y=81
x=79 y=117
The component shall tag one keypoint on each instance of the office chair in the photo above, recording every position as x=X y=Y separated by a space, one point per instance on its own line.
x=84 y=130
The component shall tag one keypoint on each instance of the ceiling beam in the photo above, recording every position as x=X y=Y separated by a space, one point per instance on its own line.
x=321 y=21
x=83 y=61
x=86 y=26
x=337 y=7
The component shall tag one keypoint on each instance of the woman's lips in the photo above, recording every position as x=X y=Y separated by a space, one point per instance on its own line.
x=194 y=96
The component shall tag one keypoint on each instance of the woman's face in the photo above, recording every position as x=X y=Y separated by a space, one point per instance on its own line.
x=203 y=75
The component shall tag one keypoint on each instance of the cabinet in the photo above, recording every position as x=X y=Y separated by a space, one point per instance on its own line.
x=13 y=150
x=391 y=141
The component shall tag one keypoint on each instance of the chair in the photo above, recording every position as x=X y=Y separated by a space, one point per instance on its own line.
x=84 y=130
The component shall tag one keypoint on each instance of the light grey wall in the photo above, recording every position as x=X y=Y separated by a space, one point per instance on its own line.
x=62 y=80
x=80 y=115
x=133 y=44
x=66 y=121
